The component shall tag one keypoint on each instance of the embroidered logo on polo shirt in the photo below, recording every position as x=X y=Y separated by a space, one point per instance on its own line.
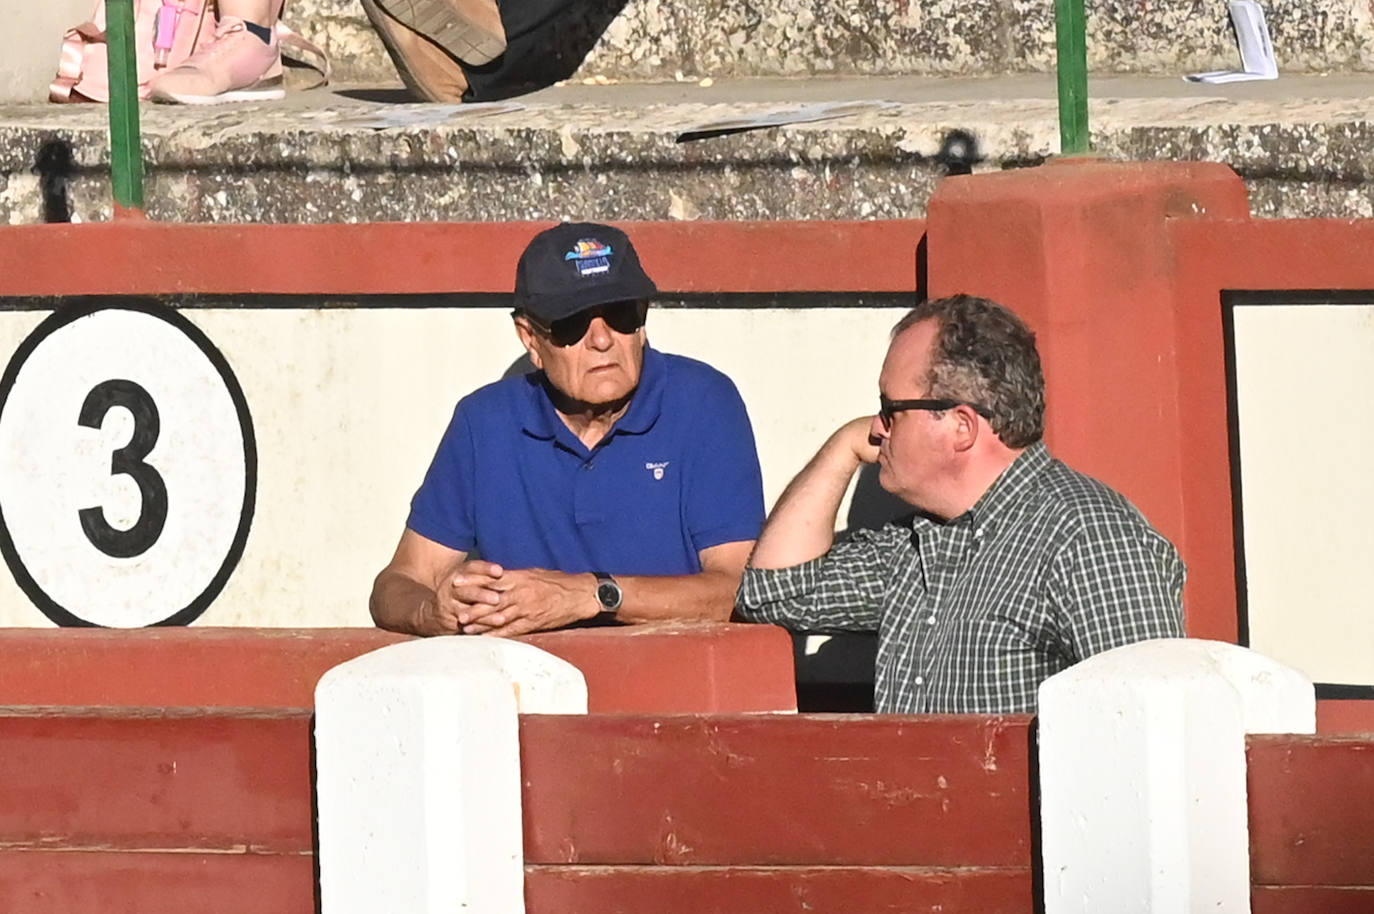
x=590 y=257
x=657 y=468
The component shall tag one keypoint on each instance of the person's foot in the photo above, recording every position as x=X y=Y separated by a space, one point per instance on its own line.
x=470 y=30
x=429 y=72
x=233 y=66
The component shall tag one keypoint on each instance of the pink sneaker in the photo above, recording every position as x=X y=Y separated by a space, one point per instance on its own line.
x=234 y=66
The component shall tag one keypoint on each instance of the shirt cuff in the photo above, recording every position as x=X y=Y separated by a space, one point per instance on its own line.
x=763 y=586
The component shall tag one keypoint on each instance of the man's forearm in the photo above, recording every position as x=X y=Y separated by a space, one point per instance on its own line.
x=801 y=526
x=398 y=603
x=705 y=596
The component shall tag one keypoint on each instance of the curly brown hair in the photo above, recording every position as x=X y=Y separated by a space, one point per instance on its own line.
x=985 y=355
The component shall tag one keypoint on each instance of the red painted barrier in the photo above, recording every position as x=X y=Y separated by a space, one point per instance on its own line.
x=138 y=779
x=823 y=813
x=122 y=809
x=1120 y=267
x=150 y=882
x=1312 y=811
x=703 y=667
x=762 y=890
x=127 y=809
x=394 y=258
x=804 y=790
x=1081 y=252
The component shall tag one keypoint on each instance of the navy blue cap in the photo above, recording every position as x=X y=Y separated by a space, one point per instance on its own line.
x=578 y=265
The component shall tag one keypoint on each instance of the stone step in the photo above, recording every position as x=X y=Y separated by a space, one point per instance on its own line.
x=693 y=39
x=1305 y=145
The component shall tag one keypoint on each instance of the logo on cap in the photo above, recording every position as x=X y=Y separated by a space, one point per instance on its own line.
x=590 y=257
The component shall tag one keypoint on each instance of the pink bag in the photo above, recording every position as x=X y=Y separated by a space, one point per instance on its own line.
x=166 y=32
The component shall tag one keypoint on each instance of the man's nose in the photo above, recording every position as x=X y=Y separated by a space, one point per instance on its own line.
x=876 y=429
x=598 y=334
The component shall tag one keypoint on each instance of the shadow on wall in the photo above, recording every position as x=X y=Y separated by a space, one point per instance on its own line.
x=873 y=506
x=521 y=366
x=835 y=673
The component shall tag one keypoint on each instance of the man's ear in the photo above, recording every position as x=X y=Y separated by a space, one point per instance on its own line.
x=967 y=428
x=529 y=339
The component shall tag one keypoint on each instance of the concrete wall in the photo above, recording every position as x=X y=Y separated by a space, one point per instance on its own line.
x=667 y=39
x=689 y=39
x=30 y=39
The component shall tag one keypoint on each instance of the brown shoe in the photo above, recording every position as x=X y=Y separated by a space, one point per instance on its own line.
x=470 y=30
x=428 y=71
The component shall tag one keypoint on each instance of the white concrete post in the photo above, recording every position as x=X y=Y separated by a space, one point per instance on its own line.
x=417 y=763
x=1142 y=775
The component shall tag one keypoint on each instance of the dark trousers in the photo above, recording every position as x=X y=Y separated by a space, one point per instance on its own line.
x=546 y=41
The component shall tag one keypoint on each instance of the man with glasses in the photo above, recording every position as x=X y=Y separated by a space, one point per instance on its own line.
x=1013 y=567
x=615 y=482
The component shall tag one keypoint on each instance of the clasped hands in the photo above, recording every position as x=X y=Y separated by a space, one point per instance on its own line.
x=482 y=598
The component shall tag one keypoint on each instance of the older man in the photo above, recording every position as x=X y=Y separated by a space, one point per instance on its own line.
x=1014 y=566
x=614 y=481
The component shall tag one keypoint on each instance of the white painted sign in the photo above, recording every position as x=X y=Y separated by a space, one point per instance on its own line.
x=127 y=467
x=347 y=406
x=1304 y=382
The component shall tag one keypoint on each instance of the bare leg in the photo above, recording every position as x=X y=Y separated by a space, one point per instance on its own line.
x=259 y=11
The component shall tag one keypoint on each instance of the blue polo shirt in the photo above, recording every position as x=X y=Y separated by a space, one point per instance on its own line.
x=678 y=473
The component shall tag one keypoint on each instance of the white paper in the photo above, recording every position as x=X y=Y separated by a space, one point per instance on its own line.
x=1256 y=50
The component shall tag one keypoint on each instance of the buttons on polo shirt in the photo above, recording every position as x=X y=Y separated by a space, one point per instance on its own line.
x=919 y=680
x=930 y=619
x=593 y=501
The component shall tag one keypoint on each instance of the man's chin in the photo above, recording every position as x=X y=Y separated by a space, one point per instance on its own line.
x=890 y=485
x=609 y=395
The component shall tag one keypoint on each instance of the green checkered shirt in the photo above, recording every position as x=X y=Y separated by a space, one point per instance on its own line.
x=1049 y=567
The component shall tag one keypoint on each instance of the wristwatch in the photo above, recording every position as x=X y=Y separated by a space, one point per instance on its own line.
x=607 y=592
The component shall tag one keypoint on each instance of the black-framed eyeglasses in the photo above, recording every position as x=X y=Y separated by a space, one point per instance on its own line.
x=620 y=316
x=889 y=408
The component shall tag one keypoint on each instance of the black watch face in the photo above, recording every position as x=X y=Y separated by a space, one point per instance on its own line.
x=609 y=594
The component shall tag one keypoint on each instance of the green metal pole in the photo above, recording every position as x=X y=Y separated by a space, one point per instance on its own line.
x=126 y=152
x=1071 y=51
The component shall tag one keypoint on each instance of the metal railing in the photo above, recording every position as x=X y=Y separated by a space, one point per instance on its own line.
x=126 y=150
x=1071 y=57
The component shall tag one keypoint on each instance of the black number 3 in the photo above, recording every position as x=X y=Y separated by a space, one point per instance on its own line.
x=128 y=460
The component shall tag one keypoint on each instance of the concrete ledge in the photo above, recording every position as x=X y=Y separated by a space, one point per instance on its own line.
x=1304 y=145
x=687 y=668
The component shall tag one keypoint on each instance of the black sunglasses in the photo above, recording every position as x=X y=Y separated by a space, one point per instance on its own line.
x=889 y=408
x=621 y=316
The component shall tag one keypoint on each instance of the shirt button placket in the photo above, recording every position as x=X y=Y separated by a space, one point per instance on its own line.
x=587 y=507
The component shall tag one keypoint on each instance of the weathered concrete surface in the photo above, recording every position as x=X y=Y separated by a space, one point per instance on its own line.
x=1305 y=145
x=664 y=39
x=692 y=39
x=28 y=60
